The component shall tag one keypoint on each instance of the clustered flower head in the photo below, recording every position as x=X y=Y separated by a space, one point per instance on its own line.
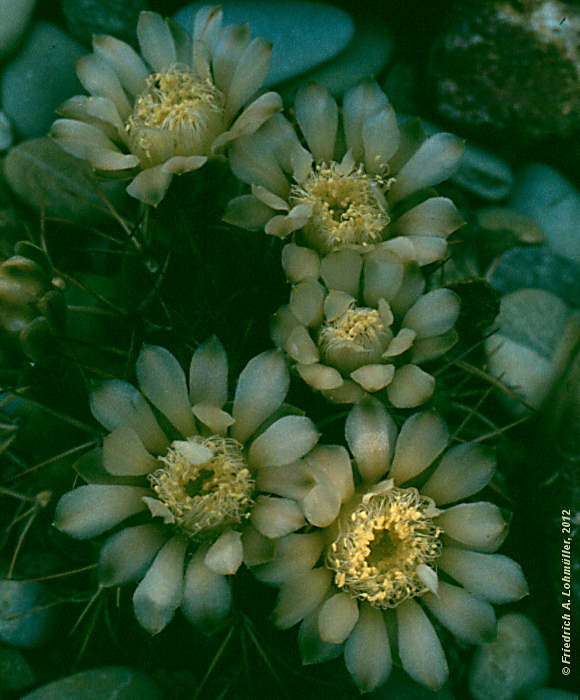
x=361 y=322
x=351 y=187
x=170 y=109
x=393 y=551
x=189 y=479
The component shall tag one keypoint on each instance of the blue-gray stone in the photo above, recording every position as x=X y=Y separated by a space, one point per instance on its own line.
x=14 y=18
x=541 y=268
x=39 y=79
x=303 y=34
x=107 y=683
x=6 y=136
x=553 y=203
x=116 y=17
x=23 y=622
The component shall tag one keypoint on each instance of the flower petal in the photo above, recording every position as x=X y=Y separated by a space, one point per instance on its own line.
x=373 y=377
x=261 y=389
x=127 y=555
x=334 y=462
x=422 y=439
x=359 y=104
x=382 y=279
x=367 y=653
x=436 y=216
x=318 y=376
x=463 y=470
x=317 y=115
x=207 y=597
x=249 y=74
x=491 y=576
x=226 y=553
x=125 y=61
x=247 y=212
x=380 y=135
x=98 y=78
x=410 y=387
x=150 y=185
x=419 y=646
x=432 y=348
x=283 y=442
x=276 y=517
x=299 y=595
x=125 y=455
x=338 y=616
x=370 y=433
x=341 y=270
x=232 y=41
x=306 y=302
x=161 y=591
x=301 y=348
x=470 y=619
x=478 y=526
x=90 y=510
x=299 y=263
x=293 y=553
x=312 y=649
x=208 y=374
x=250 y=120
x=433 y=313
x=163 y=382
x=321 y=505
x=156 y=41
x=117 y=403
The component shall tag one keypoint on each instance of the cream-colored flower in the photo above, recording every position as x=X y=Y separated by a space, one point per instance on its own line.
x=188 y=480
x=361 y=323
x=352 y=188
x=362 y=585
x=169 y=110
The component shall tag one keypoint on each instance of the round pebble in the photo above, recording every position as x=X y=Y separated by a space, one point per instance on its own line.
x=14 y=18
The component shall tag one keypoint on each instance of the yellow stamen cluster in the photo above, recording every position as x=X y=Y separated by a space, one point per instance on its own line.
x=380 y=545
x=186 y=109
x=355 y=338
x=207 y=497
x=347 y=208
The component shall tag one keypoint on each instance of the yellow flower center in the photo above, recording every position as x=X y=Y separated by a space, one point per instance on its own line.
x=382 y=543
x=357 y=337
x=178 y=114
x=205 y=484
x=348 y=208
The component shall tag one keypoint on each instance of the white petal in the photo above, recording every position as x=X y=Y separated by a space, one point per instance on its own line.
x=250 y=120
x=321 y=505
x=93 y=509
x=247 y=212
x=306 y=302
x=98 y=78
x=420 y=249
x=382 y=279
x=303 y=349
x=436 y=160
x=178 y=165
x=334 y=462
x=380 y=135
x=312 y=649
x=261 y=389
x=317 y=116
x=370 y=433
x=347 y=392
x=463 y=470
x=478 y=526
x=116 y=403
x=433 y=314
x=320 y=377
x=283 y=442
x=422 y=439
x=341 y=270
x=156 y=41
x=373 y=377
x=232 y=42
x=276 y=517
x=257 y=548
x=432 y=348
x=98 y=111
x=491 y=576
x=217 y=421
x=299 y=596
x=400 y=343
x=161 y=591
x=290 y=480
x=125 y=61
x=125 y=455
x=300 y=262
x=470 y=619
x=411 y=387
x=336 y=303
x=163 y=382
x=293 y=553
x=252 y=161
x=436 y=216
x=183 y=42
x=208 y=374
x=360 y=103
x=249 y=74
x=127 y=554
x=419 y=646
x=269 y=198
x=410 y=289
x=226 y=553
x=207 y=597
x=285 y=224
x=367 y=652
x=207 y=25
x=159 y=510
x=337 y=618
x=150 y=185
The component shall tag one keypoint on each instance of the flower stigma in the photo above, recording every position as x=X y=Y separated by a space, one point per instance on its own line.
x=348 y=208
x=178 y=114
x=355 y=338
x=381 y=544
x=205 y=484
